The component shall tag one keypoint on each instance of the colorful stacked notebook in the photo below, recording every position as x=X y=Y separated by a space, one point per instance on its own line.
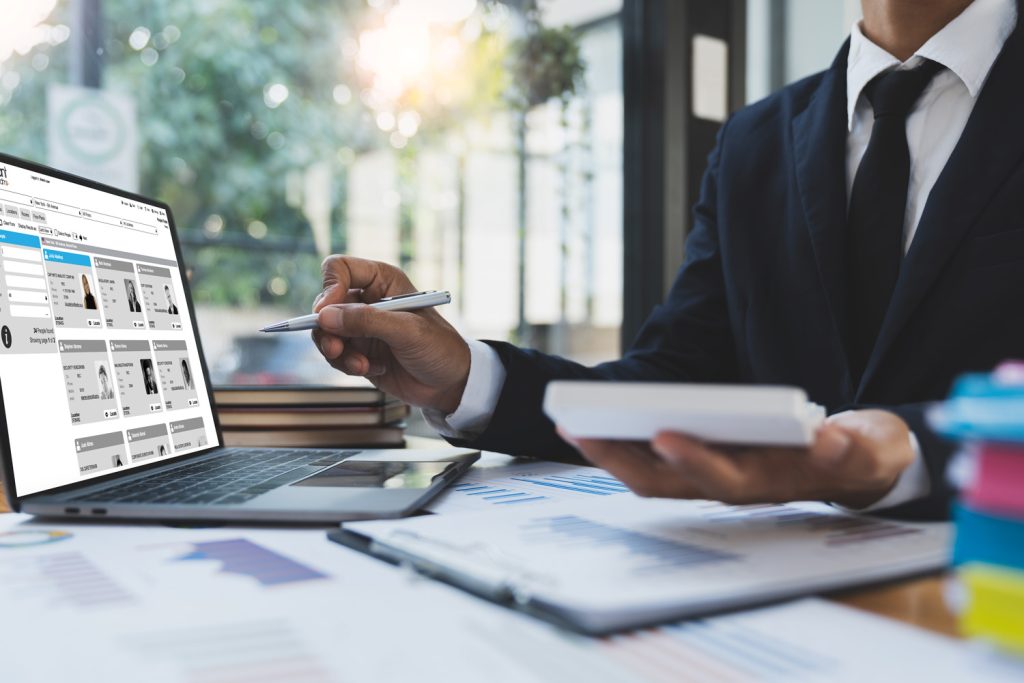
x=986 y=412
x=310 y=416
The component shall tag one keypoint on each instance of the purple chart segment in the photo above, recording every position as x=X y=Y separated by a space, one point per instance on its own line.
x=245 y=558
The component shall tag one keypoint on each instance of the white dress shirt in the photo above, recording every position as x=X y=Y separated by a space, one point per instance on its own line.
x=967 y=47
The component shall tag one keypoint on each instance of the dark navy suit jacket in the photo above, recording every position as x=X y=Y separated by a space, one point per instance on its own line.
x=760 y=297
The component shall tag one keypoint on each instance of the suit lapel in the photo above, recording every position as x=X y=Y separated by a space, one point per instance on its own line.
x=819 y=149
x=989 y=150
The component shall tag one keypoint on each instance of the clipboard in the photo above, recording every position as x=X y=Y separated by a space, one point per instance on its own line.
x=498 y=593
x=587 y=568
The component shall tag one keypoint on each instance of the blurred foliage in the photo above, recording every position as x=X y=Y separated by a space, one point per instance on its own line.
x=211 y=146
x=214 y=148
x=545 y=63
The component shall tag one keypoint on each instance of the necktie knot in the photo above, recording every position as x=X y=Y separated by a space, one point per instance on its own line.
x=894 y=93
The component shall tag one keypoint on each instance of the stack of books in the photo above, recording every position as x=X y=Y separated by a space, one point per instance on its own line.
x=986 y=412
x=310 y=417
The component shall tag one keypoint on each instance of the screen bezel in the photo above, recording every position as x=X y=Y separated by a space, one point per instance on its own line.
x=6 y=459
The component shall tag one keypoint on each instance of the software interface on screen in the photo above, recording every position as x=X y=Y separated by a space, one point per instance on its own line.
x=98 y=360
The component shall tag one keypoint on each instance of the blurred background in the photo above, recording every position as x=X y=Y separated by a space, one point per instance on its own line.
x=538 y=160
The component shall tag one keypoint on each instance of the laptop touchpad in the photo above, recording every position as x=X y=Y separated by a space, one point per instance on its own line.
x=378 y=474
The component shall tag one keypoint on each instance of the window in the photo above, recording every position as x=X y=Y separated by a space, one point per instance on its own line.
x=387 y=129
x=775 y=58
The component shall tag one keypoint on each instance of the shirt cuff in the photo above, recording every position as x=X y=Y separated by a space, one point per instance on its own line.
x=913 y=483
x=479 y=399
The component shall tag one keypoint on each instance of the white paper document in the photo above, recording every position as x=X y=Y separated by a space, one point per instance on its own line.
x=603 y=567
x=147 y=603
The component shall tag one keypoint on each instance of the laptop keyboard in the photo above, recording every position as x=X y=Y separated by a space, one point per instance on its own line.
x=236 y=476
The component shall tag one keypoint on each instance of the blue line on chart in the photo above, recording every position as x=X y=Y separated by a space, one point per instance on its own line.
x=619 y=488
x=604 y=481
x=517 y=494
x=566 y=487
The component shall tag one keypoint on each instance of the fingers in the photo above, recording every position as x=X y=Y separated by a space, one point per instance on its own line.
x=853 y=460
x=717 y=475
x=354 y=296
x=362 y=322
x=762 y=475
x=344 y=273
x=635 y=466
x=354 y=362
x=881 y=449
x=330 y=346
x=831 y=445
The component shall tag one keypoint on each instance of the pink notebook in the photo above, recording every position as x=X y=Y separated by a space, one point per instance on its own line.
x=998 y=484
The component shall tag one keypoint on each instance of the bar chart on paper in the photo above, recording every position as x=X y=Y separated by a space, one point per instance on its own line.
x=52 y=579
x=265 y=649
x=801 y=641
x=648 y=553
x=521 y=485
x=242 y=557
x=728 y=648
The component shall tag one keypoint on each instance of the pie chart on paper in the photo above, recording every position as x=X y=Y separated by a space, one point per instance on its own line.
x=31 y=537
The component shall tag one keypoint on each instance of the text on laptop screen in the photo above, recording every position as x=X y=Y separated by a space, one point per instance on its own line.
x=98 y=358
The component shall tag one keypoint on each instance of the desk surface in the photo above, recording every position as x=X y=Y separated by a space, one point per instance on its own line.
x=915 y=601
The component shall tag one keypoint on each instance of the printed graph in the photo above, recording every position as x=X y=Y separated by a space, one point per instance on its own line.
x=30 y=537
x=245 y=558
x=498 y=495
x=265 y=650
x=649 y=553
x=838 y=530
x=717 y=650
x=712 y=650
x=518 y=485
x=64 y=578
x=593 y=485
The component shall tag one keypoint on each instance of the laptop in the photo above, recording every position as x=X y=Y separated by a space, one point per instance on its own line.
x=105 y=400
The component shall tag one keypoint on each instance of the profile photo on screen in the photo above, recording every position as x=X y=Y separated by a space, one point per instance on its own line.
x=103 y=378
x=88 y=300
x=148 y=374
x=133 y=299
x=172 y=308
x=162 y=451
x=186 y=374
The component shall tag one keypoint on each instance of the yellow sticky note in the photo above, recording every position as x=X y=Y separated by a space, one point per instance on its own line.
x=995 y=609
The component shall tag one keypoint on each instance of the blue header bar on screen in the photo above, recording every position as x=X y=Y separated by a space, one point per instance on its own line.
x=18 y=239
x=66 y=257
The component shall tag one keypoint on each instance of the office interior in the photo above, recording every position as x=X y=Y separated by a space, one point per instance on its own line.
x=550 y=190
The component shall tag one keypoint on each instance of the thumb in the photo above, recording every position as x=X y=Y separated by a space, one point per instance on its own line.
x=360 y=321
x=342 y=273
x=831 y=444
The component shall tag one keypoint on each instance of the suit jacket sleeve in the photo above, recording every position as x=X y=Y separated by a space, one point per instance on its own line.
x=686 y=338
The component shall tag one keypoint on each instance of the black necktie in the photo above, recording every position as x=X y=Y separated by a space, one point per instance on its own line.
x=878 y=204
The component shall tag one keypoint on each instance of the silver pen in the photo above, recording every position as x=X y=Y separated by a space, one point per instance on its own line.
x=402 y=302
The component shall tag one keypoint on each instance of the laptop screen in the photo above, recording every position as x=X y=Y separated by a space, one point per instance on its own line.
x=98 y=355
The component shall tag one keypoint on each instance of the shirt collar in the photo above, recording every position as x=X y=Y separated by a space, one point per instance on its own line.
x=967 y=46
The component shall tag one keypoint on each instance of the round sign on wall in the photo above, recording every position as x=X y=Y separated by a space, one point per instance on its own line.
x=91 y=129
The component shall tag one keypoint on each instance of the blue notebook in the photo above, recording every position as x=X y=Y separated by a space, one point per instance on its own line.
x=981 y=537
x=981 y=408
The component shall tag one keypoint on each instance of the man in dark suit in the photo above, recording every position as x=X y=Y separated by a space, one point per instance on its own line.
x=859 y=234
